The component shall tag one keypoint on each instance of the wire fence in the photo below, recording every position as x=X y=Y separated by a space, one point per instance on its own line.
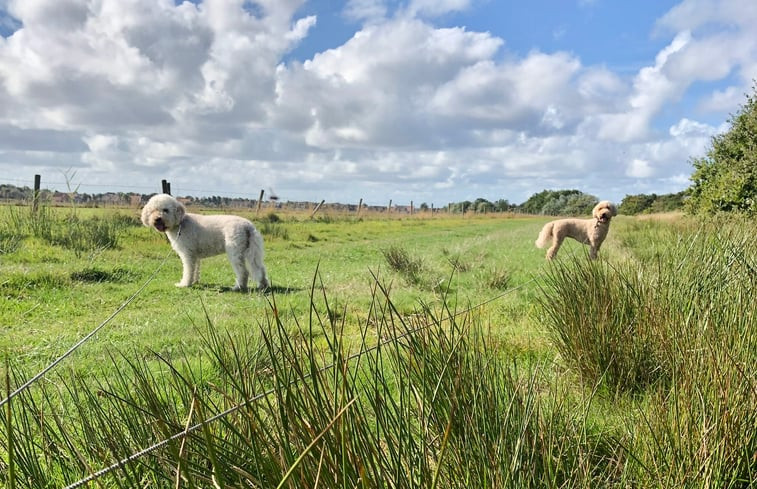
x=118 y=195
x=189 y=430
x=85 y=338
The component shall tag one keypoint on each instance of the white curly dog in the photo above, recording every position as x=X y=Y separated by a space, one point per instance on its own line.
x=588 y=231
x=195 y=236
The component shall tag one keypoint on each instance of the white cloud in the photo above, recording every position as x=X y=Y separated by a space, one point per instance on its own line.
x=687 y=127
x=369 y=93
x=437 y=7
x=365 y=10
x=639 y=169
x=652 y=88
x=205 y=94
x=523 y=94
x=723 y=100
x=696 y=14
x=724 y=43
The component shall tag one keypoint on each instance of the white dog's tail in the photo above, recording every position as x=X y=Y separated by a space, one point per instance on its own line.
x=545 y=236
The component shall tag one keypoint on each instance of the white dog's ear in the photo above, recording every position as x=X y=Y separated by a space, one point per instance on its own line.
x=145 y=215
x=180 y=211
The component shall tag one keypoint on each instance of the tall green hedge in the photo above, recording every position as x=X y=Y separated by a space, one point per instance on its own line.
x=725 y=180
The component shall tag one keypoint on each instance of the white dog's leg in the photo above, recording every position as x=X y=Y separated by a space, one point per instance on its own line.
x=255 y=257
x=190 y=266
x=240 y=269
x=259 y=273
x=196 y=272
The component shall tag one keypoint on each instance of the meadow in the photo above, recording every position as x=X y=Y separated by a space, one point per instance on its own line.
x=404 y=351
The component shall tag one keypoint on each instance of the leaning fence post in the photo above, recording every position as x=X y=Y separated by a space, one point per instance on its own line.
x=260 y=201
x=359 y=206
x=35 y=195
x=316 y=208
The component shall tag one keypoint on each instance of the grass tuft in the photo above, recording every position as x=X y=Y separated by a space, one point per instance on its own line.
x=399 y=260
x=70 y=231
x=677 y=330
x=97 y=275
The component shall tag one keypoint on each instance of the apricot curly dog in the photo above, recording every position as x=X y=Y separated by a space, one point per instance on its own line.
x=587 y=231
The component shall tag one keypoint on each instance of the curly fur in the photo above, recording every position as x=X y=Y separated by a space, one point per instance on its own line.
x=588 y=231
x=195 y=236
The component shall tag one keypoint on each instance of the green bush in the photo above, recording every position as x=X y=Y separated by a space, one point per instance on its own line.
x=598 y=318
x=725 y=180
x=559 y=203
x=632 y=205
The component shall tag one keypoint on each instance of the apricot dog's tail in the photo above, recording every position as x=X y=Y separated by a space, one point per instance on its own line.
x=545 y=236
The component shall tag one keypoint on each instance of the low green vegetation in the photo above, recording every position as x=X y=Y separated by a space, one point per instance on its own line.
x=415 y=352
x=632 y=205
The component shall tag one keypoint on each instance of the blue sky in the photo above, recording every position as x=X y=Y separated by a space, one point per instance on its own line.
x=590 y=29
x=426 y=100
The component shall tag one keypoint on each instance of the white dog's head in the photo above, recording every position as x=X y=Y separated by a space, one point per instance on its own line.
x=604 y=211
x=163 y=212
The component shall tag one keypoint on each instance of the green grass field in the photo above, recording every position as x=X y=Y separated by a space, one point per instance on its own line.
x=464 y=358
x=53 y=297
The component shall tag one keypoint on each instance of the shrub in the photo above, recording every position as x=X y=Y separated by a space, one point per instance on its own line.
x=400 y=261
x=497 y=279
x=80 y=236
x=725 y=180
x=272 y=230
x=598 y=321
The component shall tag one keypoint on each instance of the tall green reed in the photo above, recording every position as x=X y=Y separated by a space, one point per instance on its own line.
x=676 y=327
x=418 y=401
x=66 y=230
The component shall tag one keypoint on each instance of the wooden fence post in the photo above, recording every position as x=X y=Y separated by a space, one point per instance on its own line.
x=166 y=186
x=316 y=208
x=389 y=208
x=35 y=194
x=359 y=206
x=411 y=207
x=260 y=201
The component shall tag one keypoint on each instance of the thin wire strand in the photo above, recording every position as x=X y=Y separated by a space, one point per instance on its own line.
x=186 y=432
x=192 y=429
x=85 y=338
